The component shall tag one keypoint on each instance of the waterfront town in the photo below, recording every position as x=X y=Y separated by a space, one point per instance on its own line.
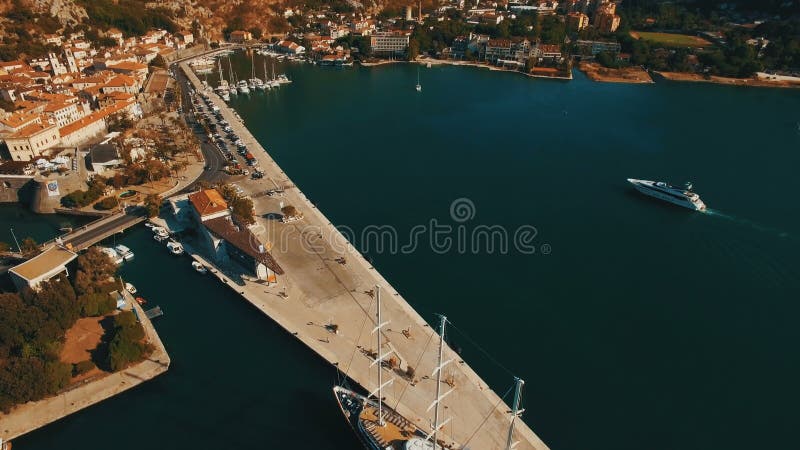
x=118 y=126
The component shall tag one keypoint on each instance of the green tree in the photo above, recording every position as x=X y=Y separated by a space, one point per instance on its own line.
x=152 y=203
x=158 y=61
x=107 y=203
x=242 y=210
x=126 y=346
x=95 y=272
x=29 y=247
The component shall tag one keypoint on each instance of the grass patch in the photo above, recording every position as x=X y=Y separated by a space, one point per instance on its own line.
x=670 y=39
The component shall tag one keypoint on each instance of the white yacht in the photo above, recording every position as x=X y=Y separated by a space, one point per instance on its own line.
x=130 y=288
x=175 y=248
x=112 y=254
x=663 y=191
x=198 y=267
x=243 y=88
x=160 y=231
x=124 y=251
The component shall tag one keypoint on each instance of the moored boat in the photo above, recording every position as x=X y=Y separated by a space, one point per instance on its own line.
x=198 y=267
x=175 y=247
x=130 y=288
x=124 y=251
x=112 y=254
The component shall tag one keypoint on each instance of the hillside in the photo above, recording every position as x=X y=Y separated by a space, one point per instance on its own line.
x=215 y=17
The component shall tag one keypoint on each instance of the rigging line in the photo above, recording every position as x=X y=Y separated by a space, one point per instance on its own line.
x=356 y=343
x=481 y=349
x=487 y=416
x=416 y=366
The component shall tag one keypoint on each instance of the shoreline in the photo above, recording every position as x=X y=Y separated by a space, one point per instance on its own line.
x=629 y=75
x=448 y=62
x=316 y=290
x=728 y=81
x=33 y=415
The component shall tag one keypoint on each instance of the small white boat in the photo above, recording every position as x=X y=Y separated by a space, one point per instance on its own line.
x=199 y=268
x=160 y=231
x=159 y=238
x=175 y=248
x=124 y=251
x=149 y=224
x=112 y=254
x=130 y=288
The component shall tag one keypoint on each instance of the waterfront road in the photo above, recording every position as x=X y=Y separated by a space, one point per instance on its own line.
x=213 y=172
x=97 y=231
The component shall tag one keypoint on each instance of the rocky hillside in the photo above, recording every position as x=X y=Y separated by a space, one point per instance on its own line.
x=214 y=17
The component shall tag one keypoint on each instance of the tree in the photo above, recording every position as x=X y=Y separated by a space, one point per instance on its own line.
x=256 y=32
x=120 y=122
x=95 y=272
x=29 y=247
x=107 y=203
x=242 y=210
x=152 y=203
x=158 y=61
x=413 y=49
x=125 y=345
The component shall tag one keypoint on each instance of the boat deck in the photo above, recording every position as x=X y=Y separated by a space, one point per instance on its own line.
x=395 y=431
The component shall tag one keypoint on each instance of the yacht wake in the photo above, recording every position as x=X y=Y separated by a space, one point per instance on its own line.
x=750 y=224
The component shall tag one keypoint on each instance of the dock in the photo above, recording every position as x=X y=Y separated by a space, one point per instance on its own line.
x=319 y=290
x=152 y=313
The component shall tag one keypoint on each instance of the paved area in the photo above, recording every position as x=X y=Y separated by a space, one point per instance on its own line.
x=328 y=284
x=30 y=416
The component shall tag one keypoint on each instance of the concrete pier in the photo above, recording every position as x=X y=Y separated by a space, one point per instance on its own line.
x=330 y=283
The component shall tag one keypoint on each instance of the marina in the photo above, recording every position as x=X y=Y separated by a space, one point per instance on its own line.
x=482 y=421
x=605 y=339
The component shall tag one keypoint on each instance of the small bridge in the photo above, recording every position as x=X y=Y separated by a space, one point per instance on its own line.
x=92 y=233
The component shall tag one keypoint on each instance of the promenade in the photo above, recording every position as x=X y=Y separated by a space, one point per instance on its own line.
x=328 y=282
x=32 y=415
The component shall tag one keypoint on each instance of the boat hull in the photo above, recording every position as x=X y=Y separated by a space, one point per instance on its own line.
x=644 y=189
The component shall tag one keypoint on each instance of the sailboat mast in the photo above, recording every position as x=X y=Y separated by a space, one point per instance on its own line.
x=380 y=359
x=439 y=380
x=515 y=412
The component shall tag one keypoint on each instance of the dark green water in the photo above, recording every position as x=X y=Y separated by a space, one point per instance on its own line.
x=646 y=327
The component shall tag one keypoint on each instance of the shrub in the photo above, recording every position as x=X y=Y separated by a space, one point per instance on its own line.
x=96 y=304
x=82 y=367
x=107 y=203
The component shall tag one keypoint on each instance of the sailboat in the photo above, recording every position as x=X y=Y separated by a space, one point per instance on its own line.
x=254 y=83
x=222 y=88
x=273 y=82
x=376 y=425
x=232 y=85
x=266 y=84
x=380 y=427
x=419 y=86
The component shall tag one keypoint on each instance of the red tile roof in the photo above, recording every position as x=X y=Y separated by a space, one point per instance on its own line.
x=208 y=202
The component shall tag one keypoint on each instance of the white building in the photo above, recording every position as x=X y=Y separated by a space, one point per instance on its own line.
x=386 y=42
x=41 y=268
